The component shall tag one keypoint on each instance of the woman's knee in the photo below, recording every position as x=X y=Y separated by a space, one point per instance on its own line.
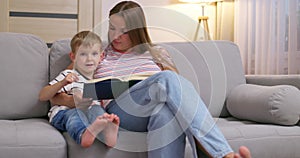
x=168 y=77
x=174 y=81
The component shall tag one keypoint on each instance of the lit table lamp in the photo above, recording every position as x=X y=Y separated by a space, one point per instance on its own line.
x=201 y=18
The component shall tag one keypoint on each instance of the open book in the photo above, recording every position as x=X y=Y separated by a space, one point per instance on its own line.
x=111 y=87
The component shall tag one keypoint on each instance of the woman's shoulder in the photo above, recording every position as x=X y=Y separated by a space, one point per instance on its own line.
x=163 y=58
x=107 y=49
x=158 y=47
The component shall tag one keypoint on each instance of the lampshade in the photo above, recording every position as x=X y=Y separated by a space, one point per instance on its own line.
x=199 y=1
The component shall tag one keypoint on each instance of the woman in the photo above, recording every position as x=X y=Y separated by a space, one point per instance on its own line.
x=165 y=105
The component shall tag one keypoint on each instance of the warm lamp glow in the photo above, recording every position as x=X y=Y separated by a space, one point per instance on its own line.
x=201 y=18
x=198 y=1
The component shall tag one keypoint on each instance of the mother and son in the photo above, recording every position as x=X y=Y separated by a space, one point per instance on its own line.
x=161 y=99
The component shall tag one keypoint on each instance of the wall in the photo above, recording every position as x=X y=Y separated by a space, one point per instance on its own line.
x=168 y=20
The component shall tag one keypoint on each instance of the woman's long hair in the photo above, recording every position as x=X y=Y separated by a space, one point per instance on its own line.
x=135 y=21
x=135 y=24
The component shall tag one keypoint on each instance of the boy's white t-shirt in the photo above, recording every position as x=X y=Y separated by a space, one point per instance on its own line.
x=68 y=89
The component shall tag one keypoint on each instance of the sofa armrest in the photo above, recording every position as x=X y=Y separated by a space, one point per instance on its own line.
x=272 y=80
x=265 y=104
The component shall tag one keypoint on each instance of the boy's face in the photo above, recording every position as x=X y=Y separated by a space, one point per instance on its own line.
x=87 y=59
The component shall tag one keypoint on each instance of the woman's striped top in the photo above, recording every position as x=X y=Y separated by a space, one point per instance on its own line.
x=117 y=64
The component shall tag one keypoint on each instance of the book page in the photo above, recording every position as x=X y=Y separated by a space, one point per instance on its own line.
x=139 y=76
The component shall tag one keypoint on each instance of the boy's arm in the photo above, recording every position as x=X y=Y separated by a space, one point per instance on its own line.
x=50 y=91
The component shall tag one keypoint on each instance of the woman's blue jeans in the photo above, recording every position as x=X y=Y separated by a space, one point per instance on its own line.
x=168 y=108
x=75 y=121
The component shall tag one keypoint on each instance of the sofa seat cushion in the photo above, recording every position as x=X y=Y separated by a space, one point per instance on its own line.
x=98 y=148
x=129 y=144
x=265 y=104
x=264 y=140
x=31 y=138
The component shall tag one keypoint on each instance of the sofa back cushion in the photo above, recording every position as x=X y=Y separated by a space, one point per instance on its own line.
x=24 y=71
x=59 y=57
x=214 y=67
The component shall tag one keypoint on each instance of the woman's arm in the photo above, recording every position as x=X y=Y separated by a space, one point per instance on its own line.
x=167 y=67
x=70 y=67
x=63 y=99
x=51 y=92
x=163 y=59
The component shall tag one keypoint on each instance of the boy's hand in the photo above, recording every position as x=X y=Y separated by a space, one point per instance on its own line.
x=70 y=78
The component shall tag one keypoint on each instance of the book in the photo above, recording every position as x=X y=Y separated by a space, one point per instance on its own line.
x=111 y=87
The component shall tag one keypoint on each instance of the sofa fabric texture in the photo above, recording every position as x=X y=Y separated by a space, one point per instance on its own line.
x=25 y=131
x=265 y=104
x=214 y=67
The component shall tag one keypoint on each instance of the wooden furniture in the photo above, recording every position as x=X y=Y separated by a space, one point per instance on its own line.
x=50 y=20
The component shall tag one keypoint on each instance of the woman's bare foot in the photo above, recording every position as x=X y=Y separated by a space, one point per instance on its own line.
x=89 y=135
x=243 y=153
x=111 y=130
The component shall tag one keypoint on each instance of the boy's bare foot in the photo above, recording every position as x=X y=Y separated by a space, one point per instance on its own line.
x=111 y=130
x=89 y=135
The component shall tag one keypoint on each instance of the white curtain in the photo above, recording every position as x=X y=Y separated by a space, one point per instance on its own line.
x=268 y=35
x=224 y=20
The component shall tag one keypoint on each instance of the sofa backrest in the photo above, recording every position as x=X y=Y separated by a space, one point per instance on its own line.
x=214 y=67
x=59 y=57
x=24 y=71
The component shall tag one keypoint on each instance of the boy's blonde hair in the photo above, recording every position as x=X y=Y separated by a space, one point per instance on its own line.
x=85 y=38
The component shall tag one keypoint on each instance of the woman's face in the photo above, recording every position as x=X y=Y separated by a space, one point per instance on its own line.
x=117 y=33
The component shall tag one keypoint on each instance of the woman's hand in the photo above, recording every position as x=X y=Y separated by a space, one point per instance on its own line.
x=63 y=99
x=81 y=103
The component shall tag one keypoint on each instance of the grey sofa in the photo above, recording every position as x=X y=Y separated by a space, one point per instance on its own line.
x=263 y=116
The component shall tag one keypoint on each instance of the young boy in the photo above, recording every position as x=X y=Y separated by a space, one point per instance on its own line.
x=82 y=124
